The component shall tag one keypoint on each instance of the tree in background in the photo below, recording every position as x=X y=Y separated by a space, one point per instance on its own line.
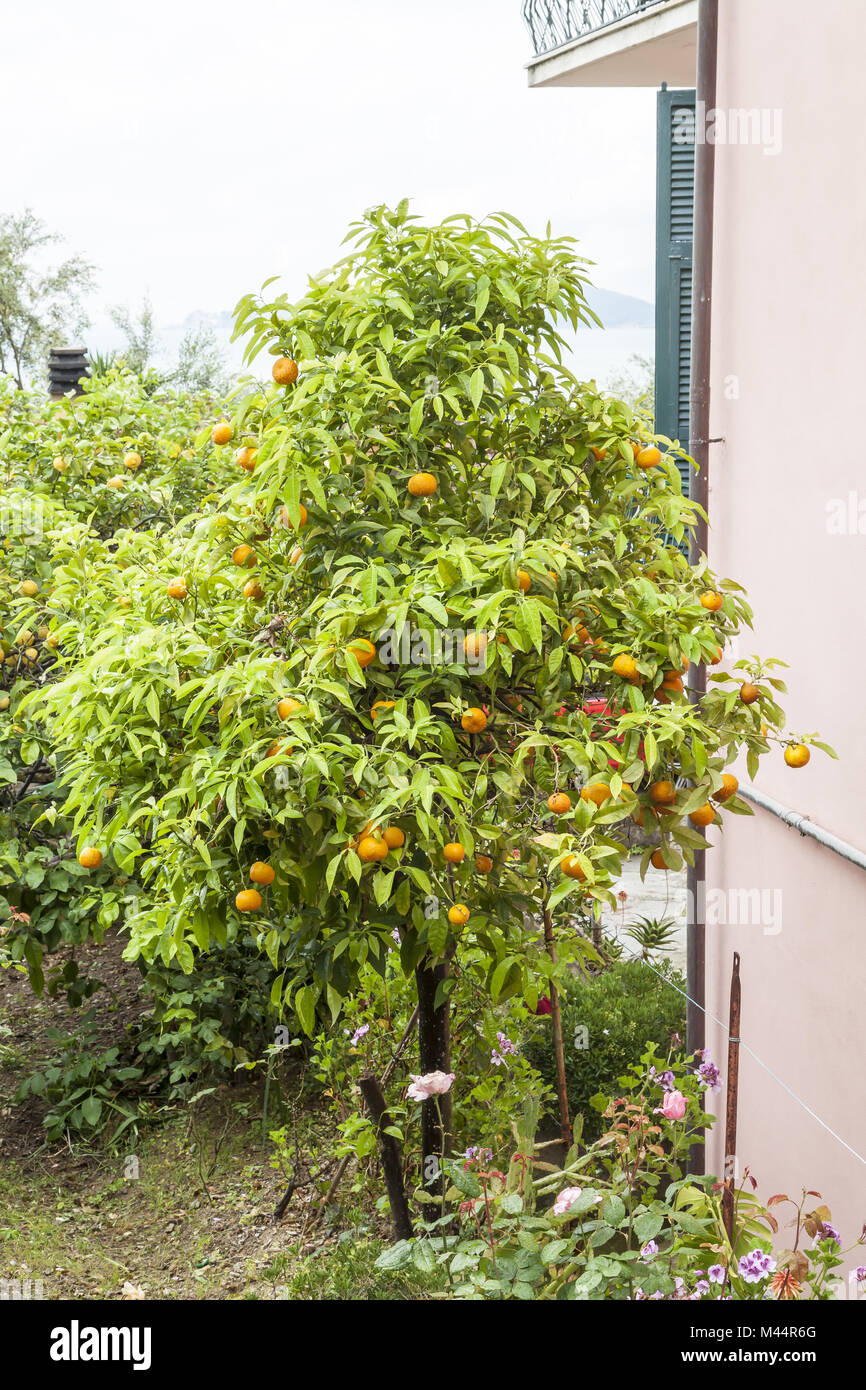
x=201 y=363
x=37 y=304
x=635 y=383
x=140 y=335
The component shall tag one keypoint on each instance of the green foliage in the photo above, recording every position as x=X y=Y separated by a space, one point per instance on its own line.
x=431 y=349
x=88 y=1089
x=606 y=1019
x=620 y=1220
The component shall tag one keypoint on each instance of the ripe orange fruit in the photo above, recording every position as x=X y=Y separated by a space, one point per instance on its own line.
x=483 y=863
x=285 y=371
x=524 y=581
x=727 y=789
x=597 y=792
x=253 y=589
x=475 y=644
x=714 y=660
x=262 y=873
x=797 y=755
x=246 y=457
x=650 y=457
x=572 y=868
x=288 y=706
x=286 y=520
x=474 y=721
x=422 y=485
x=393 y=836
x=559 y=803
x=625 y=667
x=458 y=915
x=372 y=847
x=672 y=684
x=363 y=650
x=90 y=858
x=599 y=453
x=244 y=556
x=662 y=793
x=381 y=705
x=132 y=461
x=177 y=588
x=454 y=852
x=749 y=693
x=278 y=746
x=711 y=601
x=657 y=861
x=704 y=815
x=221 y=432
x=295 y=555
x=248 y=900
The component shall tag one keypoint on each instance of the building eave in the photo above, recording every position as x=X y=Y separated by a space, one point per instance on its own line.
x=643 y=50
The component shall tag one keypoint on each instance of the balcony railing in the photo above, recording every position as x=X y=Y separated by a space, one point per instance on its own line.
x=555 y=22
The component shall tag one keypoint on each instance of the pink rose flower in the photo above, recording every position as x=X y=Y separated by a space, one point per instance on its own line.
x=435 y=1083
x=674 y=1105
x=566 y=1199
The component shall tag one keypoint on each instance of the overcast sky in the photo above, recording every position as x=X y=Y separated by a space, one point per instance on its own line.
x=191 y=149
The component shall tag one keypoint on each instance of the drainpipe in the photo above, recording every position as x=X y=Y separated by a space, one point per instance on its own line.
x=699 y=435
x=796 y=821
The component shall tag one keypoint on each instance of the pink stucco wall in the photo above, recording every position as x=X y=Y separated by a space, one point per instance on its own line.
x=789 y=381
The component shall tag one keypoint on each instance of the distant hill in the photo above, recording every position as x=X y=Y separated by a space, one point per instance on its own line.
x=621 y=310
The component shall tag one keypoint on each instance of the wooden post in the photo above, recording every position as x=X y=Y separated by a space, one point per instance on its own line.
x=731 y=1099
x=558 y=1052
x=389 y=1149
x=434 y=1054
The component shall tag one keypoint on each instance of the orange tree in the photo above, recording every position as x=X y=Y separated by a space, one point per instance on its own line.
x=425 y=658
x=76 y=476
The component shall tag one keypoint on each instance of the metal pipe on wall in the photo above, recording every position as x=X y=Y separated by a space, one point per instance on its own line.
x=699 y=437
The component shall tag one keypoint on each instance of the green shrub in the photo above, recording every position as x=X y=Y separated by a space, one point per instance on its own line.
x=606 y=1022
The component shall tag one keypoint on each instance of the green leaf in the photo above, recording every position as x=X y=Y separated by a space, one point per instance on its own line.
x=416 y=415
x=91 y=1108
x=305 y=1008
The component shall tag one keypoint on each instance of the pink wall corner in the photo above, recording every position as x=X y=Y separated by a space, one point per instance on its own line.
x=789 y=374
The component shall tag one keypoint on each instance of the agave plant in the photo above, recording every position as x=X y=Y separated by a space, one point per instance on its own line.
x=652 y=935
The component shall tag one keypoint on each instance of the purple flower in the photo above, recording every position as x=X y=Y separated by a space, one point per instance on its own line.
x=475 y=1155
x=860 y=1273
x=649 y=1250
x=702 y=1286
x=359 y=1033
x=505 y=1048
x=716 y=1274
x=755 y=1266
x=829 y=1232
x=708 y=1073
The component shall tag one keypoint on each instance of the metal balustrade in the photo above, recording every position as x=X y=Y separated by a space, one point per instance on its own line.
x=552 y=23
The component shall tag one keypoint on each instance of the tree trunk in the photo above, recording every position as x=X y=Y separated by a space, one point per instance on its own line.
x=389 y=1150
x=434 y=1049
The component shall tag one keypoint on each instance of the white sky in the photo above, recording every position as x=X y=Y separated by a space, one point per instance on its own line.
x=192 y=149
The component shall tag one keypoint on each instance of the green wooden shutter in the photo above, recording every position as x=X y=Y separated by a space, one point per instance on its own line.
x=675 y=221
